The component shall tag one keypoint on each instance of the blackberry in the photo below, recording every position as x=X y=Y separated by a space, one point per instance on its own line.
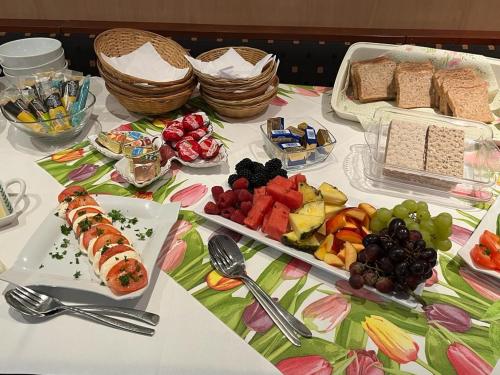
x=258 y=179
x=259 y=169
x=244 y=164
x=232 y=178
x=273 y=164
x=283 y=173
x=256 y=166
x=245 y=173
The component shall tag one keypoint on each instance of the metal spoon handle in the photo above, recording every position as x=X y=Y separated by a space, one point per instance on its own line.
x=296 y=324
x=143 y=316
x=282 y=324
x=112 y=322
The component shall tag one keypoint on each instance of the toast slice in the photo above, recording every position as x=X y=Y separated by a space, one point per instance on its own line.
x=414 y=84
x=452 y=83
x=375 y=79
x=471 y=103
x=445 y=151
x=442 y=74
x=353 y=82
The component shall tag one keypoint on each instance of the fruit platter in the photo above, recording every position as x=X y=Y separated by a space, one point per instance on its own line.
x=390 y=251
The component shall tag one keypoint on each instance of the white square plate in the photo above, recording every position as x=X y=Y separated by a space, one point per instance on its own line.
x=28 y=269
x=489 y=222
x=306 y=257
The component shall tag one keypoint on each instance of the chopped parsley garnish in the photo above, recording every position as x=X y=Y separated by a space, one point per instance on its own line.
x=68 y=199
x=80 y=193
x=116 y=215
x=124 y=279
x=99 y=232
x=41 y=266
x=65 y=229
x=65 y=244
x=85 y=225
x=56 y=214
x=120 y=241
x=77 y=274
x=133 y=221
x=57 y=255
x=140 y=236
x=102 y=283
x=78 y=254
x=104 y=249
x=149 y=232
x=98 y=217
x=77 y=261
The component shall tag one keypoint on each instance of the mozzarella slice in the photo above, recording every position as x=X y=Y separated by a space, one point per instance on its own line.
x=97 y=257
x=114 y=260
x=61 y=209
x=87 y=216
x=92 y=242
x=72 y=213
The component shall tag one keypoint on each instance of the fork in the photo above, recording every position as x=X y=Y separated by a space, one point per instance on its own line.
x=42 y=304
x=222 y=264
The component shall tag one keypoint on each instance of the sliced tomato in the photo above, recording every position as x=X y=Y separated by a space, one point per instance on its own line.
x=70 y=191
x=82 y=211
x=490 y=240
x=482 y=257
x=107 y=239
x=97 y=230
x=127 y=276
x=496 y=259
x=87 y=224
x=84 y=200
x=112 y=251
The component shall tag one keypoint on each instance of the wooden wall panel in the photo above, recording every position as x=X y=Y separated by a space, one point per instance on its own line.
x=381 y=14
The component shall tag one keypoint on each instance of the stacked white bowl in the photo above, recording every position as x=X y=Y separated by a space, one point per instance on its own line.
x=31 y=55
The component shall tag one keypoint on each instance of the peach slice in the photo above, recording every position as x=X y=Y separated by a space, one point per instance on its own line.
x=368 y=208
x=349 y=236
x=320 y=253
x=327 y=243
x=350 y=255
x=341 y=254
x=358 y=246
x=335 y=223
x=333 y=260
x=356 y=213
x=365 y=231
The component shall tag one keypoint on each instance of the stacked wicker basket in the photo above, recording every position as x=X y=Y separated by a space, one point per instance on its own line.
x=136 y=94
x=243 y=97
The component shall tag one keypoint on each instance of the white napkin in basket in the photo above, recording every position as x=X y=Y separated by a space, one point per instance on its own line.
x=230 y=65
x=146 y=63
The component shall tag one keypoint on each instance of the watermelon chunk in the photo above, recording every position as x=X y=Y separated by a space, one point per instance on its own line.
x=258 y=191
x=281 y=181
x=277 y=223
x=262 y=204
x=290 y=198
x=296 y=179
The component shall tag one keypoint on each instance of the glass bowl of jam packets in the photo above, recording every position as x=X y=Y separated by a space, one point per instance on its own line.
x=298 y=142
x=49 y=105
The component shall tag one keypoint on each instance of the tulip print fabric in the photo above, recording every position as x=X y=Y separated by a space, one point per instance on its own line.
x=355 y=332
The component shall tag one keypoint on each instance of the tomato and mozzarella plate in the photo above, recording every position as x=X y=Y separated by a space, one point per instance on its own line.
x=113 y=259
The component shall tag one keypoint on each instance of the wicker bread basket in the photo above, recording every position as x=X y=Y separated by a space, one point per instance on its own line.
x=144 y=89
x=118 y=42
x=251 y=55
x=264 y=97
x=151 y=105
x=243 y=112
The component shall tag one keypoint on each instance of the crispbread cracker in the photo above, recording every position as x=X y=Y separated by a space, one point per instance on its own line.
x=445 y=151
x=406 y=145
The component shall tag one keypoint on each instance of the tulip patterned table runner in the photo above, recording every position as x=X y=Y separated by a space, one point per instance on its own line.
x=355 y=331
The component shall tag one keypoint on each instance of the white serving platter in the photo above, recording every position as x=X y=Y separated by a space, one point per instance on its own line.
x=28 y=269
x=489 y=222
x=306 y=257
x=365 y=50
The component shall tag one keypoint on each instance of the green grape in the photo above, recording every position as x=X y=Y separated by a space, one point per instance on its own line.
x=443 y=245
x=408 y=221
x=442 y=234
x=428 y=226
x=423 y=215
x=410 y=205
x=376 y=224
x=421 y=206
x=400 y=211
x=384 y=214
x=443 y=221
x=413 y=226
x=426 y=237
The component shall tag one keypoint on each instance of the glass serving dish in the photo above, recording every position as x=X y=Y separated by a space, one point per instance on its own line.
x=298 y=159
x=45 y=129
x=479 y=156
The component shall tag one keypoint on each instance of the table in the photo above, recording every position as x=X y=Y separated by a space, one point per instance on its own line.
x=189 y=338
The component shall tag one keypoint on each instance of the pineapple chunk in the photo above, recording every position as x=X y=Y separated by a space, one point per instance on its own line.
x=332 y=195
x=304 y=226
x=309 y=193
x=308 y=245
x=316 y=208
x=331 y=210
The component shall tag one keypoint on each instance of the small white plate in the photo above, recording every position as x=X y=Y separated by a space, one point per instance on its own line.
x=28 y=269
x=306 y=257
x=489 y=222
x=107 y=152
x=8 y=208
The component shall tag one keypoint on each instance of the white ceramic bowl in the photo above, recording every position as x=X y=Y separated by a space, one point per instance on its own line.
x=12 y=78
x=29 y=52
x=52 y=64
